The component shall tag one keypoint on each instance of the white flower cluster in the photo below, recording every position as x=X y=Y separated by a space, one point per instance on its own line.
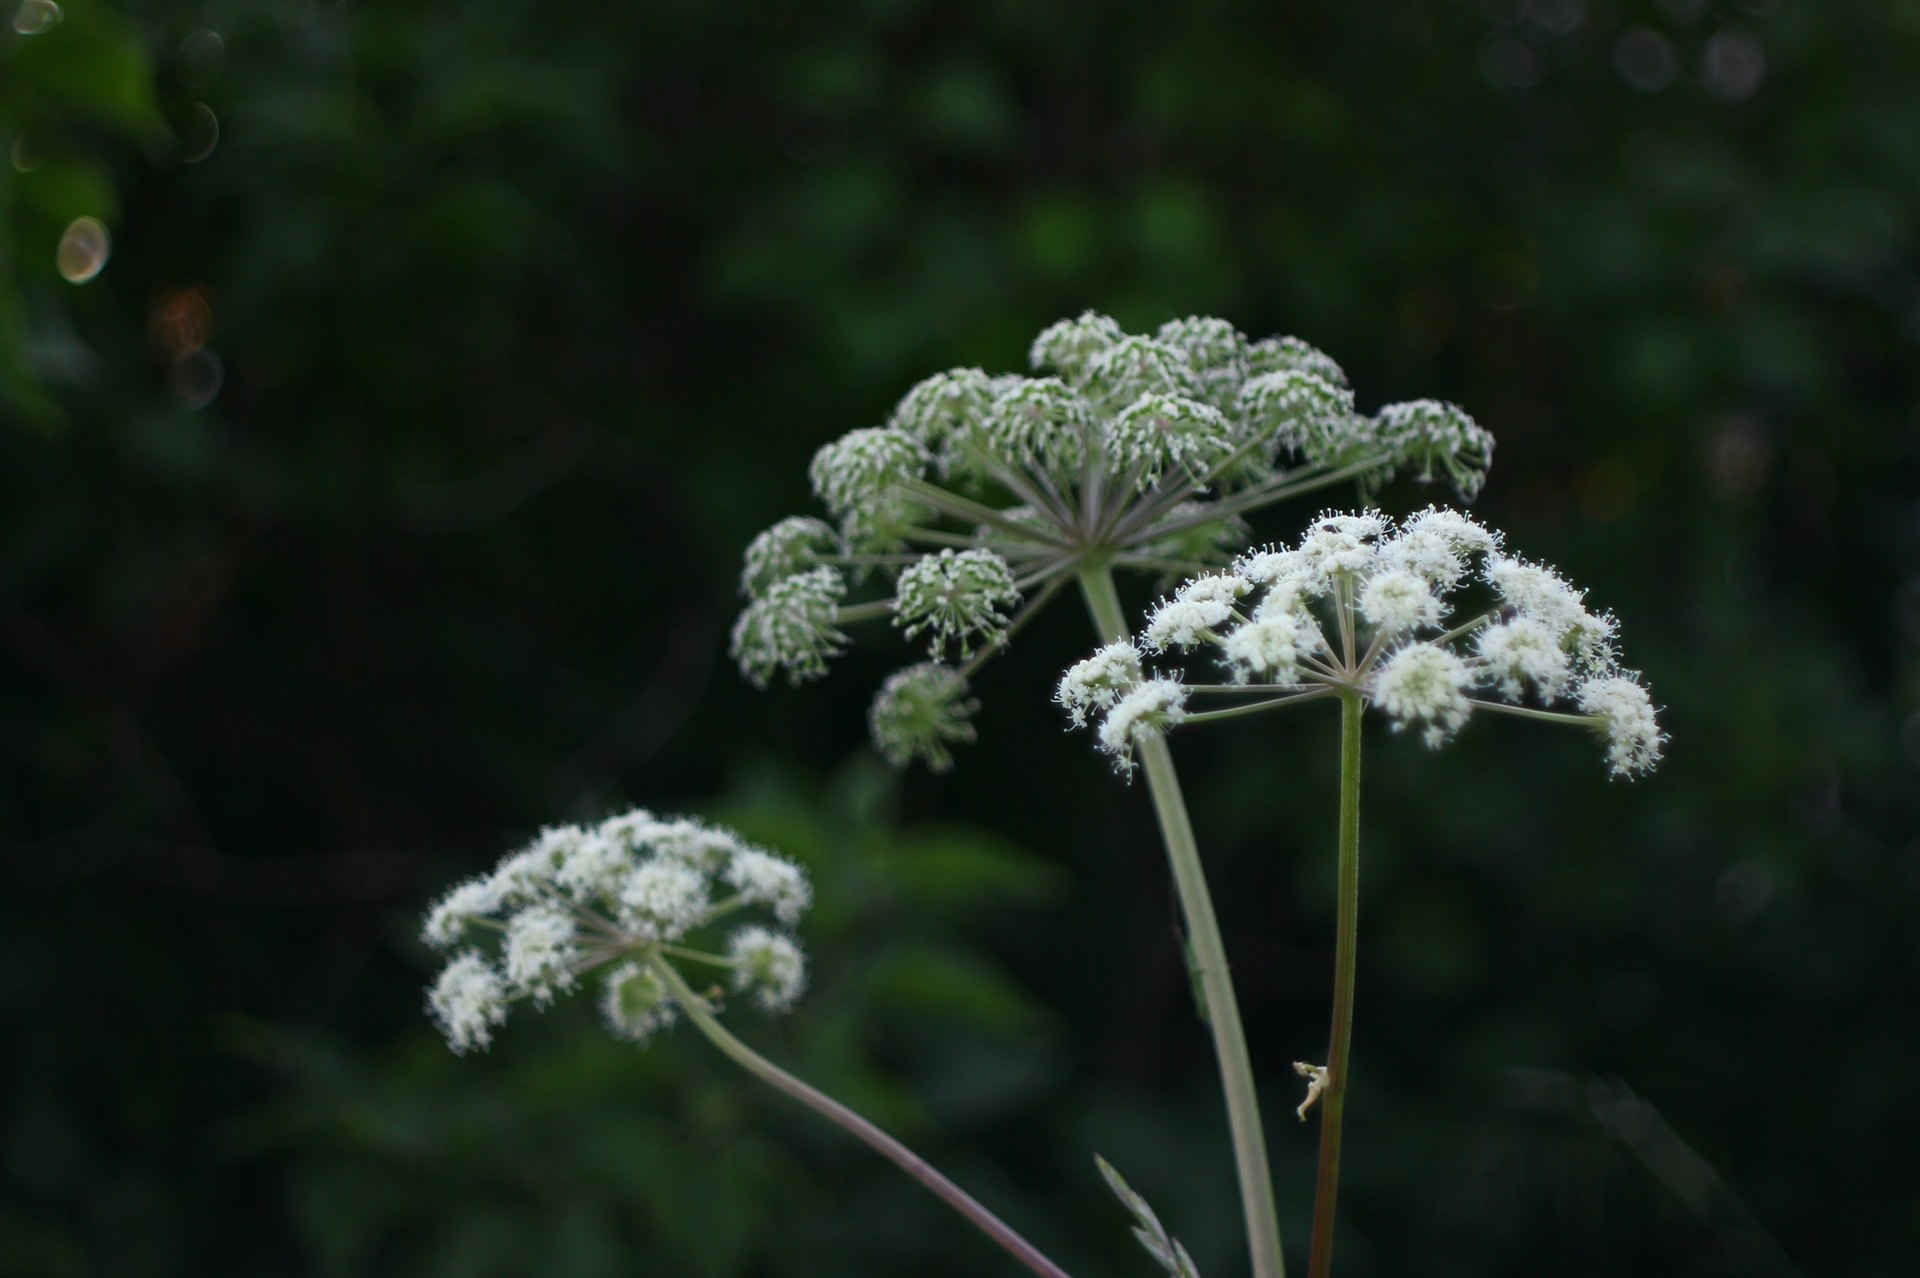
x=791 y=626
x=982 y=494
x=1363 y=607
x=955 y=596
x=626 y=893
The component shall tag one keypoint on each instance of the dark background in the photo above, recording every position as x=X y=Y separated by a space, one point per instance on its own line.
x=381 y=500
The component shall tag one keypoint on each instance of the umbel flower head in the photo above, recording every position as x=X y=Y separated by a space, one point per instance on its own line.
x=1363 y=607
x=630 y=894
x=982 y=495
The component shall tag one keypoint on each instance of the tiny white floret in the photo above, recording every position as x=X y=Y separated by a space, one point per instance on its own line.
x=770 y=965
x=593 y=866
x=468 y=1001
x=663 y=900
x=1425 y=684
x=541 y=951
x=691 y=842
x=773 y=881
x=1264 y=650
x=1627 y=720
x=1522 y=653
x=447 y=921
x=1147 y=711
x=1098 y=681
x=1182 y=623
x=1395 y=602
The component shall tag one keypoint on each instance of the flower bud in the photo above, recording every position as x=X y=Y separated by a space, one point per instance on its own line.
x=955 y=595
x=1627 y=721
x=1147 y=711
x=541 y=951
x=1428 y=436
x=635 y=1003
x=1069 y=347
x=769 y=965
x=791 y=628
x=1424 y=683
x=1159 y=433
x=1291 y=355
x=918 y=713
x=468 y=1001
x=792 y=546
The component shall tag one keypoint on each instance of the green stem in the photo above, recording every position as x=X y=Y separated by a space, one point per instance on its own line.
x=953 y=504
x=1209 y=955
x=873 y=610
x=1028 y=611
x=699 y=956
x=911 y=1163
x=1333 y=1099
x=1256 y=707
x=1544 y=716
x=1263 y=494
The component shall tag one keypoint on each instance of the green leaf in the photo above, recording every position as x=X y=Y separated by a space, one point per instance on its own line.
x=957 y=867
x=1161 y=1245
x=936 y=981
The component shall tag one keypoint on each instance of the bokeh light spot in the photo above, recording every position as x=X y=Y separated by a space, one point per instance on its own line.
x=1555 y=17
x=182 y=321
x=35 y=16
x=202 y=54
x=1733 y=66
x=1645 y=60
x=200 y=135
x=84 y=249
x=196 y=379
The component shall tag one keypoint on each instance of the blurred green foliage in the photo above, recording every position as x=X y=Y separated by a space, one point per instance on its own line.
x=379 y=500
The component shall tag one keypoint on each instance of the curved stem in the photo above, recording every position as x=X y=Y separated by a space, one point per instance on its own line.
x=1210 y=958
x=1333 y=1098
x=911 y=1163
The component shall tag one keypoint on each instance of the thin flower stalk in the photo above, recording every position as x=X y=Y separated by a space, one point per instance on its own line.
x=1222 y=1007
x=632 y=895
x=1123 y=451
x=702 y=1016
x=1363 y=610
x=624 y=895
x=1333 y=1083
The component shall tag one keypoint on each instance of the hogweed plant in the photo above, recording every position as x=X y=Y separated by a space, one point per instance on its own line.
x=1427 y=623
x=967 y=513
x=645 y=898
x=983 y=497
